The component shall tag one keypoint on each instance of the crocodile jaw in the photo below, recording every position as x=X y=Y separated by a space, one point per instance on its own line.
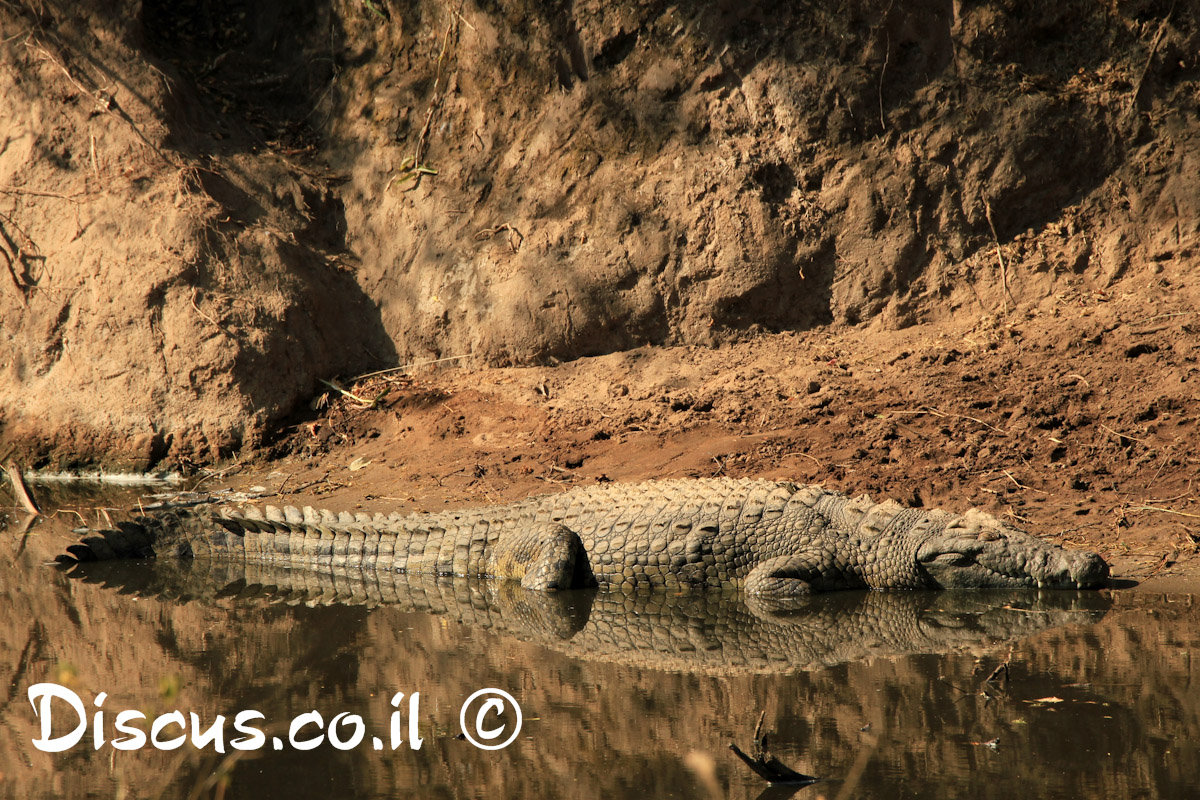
x=1001 y=557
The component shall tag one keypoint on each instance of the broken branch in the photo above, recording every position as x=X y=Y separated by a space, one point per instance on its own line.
x=20 y=488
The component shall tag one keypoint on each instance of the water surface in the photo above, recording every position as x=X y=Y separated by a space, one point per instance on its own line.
x=880 y=694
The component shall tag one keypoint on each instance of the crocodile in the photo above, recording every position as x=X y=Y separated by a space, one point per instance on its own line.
x=772 y=540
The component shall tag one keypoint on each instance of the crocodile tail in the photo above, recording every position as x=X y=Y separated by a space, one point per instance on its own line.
x=128 y=540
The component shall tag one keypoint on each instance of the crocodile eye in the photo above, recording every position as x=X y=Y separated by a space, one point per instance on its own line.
x=988 y=536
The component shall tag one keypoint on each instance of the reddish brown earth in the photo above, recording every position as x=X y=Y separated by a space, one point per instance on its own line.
x=939 y=252
x=1059 y=422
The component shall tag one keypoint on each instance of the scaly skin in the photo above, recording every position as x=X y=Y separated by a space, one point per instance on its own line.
x=773 y=540
x=718 y=633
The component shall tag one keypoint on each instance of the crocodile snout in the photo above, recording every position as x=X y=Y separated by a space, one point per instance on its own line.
x=1089 y=570
x=1073 y=570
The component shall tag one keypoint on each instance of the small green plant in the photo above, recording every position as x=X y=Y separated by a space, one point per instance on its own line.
x=410 y=170
x=374 y=9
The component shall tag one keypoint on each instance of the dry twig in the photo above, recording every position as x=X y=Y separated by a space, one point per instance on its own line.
x=766 y=766
x=1164 y=511
x=345 y=393
x=1020 y=485
x=887 y=56
x=414 y=168
x=16 y=254
x=813 y=459
x=411 y=365
x=515 y=237
x=34 y=193
x=361 y=400
x=1006 y=294
x=207 y=318
x=1120 y=435
x=105 y=100
x=20 y=488
x=936 y=413
x=1137 y=87
x=1162 y=316
x=999 y=676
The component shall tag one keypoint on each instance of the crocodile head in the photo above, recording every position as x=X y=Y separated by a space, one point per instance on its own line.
x=978 y=551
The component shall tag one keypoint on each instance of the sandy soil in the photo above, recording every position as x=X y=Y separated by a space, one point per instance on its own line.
x=944 y=253
x=1077 y=423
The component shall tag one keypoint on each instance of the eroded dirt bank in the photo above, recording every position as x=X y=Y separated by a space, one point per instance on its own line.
x=942 y=252
x=1088 y=439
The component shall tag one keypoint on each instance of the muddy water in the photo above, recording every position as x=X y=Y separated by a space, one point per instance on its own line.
x=881 y=695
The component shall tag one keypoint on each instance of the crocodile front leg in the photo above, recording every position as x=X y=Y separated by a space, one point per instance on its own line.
x=813 y=570
x=542 y=557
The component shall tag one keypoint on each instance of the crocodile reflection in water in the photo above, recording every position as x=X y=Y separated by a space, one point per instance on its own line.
x=705 y=632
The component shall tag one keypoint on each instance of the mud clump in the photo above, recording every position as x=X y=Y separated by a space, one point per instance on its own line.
x=207 y=208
